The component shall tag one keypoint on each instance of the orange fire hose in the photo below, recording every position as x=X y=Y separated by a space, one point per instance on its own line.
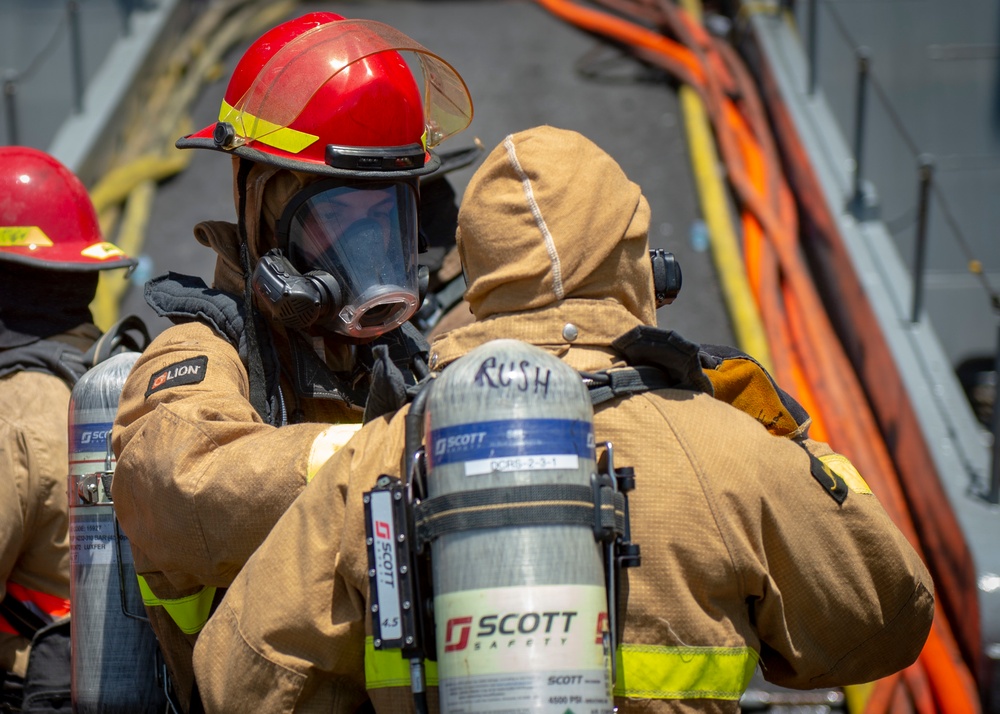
x=943 y=545
x=807 y=354
x=942 y=541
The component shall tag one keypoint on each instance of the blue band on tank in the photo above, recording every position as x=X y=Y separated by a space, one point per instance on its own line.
x=512 y=437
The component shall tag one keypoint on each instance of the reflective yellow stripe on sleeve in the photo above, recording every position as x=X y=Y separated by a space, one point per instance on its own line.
x=644 y=671
x=328 y=443
x=190 y=613
x=654 y=672
x=387 y=668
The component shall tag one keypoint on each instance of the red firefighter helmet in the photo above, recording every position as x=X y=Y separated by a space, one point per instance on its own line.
x=328 y=95
x=46 y=217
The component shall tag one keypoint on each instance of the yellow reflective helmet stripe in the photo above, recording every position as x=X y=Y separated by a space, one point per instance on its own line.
x=102 y=251
x=190 y=613
x=254 y=128
x=644 y=671
x=23 y=236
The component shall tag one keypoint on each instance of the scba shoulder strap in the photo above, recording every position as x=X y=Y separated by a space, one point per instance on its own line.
x=49 y=356
x=67 y=362
x=657 y=359
x=129 y=334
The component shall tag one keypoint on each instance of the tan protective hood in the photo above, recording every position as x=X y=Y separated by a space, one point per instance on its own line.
x=550 y=216
x=269 y=189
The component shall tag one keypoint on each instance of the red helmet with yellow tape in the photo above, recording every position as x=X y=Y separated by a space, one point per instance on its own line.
x=46 y=217
x=335 y=96
x=359 y=106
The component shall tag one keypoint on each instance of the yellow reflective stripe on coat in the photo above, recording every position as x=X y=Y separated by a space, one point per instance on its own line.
x=328 y=443
x=644 y=671
x=654 y=672
x=256 y=129
x=387 y=668
x=842 y=466
x=190 y=613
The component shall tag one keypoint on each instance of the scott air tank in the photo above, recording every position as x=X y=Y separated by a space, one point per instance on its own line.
x=520 y=610
x=114 y=650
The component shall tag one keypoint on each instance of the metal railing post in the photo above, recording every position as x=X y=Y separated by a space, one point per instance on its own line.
x=813 y=50
x=925 y=173
x=10 y=107
x=864 y=65
x=993 y=495
x=126 y=9
x=75 y=53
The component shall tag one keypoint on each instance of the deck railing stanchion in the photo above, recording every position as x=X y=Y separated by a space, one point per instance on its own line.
x=993 y=495
x=864 y=66
x=10 y=107
x=75 y=53
x=813 y=49
x=925 y=172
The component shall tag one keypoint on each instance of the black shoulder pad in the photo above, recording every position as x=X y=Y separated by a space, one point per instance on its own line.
x=183 y=298
x=668 y=351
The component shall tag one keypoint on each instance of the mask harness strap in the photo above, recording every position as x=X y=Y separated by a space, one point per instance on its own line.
x=255 y=363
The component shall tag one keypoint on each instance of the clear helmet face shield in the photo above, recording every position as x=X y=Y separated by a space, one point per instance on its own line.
x=364 y=235
x=281 y=94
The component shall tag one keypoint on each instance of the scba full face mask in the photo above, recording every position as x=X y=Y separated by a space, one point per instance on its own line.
x=349 y=265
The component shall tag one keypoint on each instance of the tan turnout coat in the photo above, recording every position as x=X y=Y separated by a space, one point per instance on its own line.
x=743 y=549
x=34 y=477
x=200 y=478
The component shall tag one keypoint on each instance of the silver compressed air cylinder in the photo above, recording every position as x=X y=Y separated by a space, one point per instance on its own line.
x=114 y=649
x=520 y=610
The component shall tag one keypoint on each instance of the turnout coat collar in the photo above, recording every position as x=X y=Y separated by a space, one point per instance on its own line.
x=579 y=331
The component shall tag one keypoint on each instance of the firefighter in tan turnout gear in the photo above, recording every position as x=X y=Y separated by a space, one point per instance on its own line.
x=51 y=252
x=760 y=547
x=229 y=412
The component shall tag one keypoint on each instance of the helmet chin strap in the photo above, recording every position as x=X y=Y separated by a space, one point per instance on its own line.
x=259 y=392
